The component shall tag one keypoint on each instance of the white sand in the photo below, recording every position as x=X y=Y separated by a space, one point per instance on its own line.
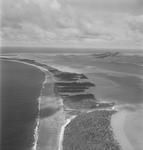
x=134 y=129
x=49 y=130
x=128 y=129
x=61 y=135
x=117 y=122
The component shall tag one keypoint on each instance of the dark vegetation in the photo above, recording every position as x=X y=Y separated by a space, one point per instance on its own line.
x=90 y=131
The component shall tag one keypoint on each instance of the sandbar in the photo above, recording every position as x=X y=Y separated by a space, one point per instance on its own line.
x=128 y=129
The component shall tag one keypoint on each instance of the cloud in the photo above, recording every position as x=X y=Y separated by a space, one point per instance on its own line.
x=136 y=23
x=91 y=21
x=28 y=32
x=136 y=26
x=131 y=6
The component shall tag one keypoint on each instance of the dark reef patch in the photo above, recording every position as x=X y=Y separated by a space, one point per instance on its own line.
x=80 y=97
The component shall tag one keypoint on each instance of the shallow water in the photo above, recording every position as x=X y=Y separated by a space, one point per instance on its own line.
x=121 y=89
x=117 y=79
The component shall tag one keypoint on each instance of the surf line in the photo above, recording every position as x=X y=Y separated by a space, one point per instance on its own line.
x=36 y=130
x=61 y=136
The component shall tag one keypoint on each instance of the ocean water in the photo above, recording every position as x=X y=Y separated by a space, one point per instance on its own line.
x=20 y=88
x=118 y=79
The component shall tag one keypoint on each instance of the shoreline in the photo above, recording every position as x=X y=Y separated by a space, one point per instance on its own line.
x=127 y=125
x=118 y=123
x=38 y=99
x=62 y=127
x=61 y=136
x=37 y=129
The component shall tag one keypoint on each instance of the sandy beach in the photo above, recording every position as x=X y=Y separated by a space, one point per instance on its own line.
x=128 y=129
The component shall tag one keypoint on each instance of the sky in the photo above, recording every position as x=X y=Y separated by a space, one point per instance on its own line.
x=78 y=23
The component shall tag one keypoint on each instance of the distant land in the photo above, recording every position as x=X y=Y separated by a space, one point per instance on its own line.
x=26 y=49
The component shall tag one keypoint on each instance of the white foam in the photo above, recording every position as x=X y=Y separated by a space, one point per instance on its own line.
x=61 y=136
x=36 y=134
x=36 y=130
x=66 y=68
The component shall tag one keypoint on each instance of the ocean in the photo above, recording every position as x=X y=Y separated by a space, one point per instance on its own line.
x=20 y=88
